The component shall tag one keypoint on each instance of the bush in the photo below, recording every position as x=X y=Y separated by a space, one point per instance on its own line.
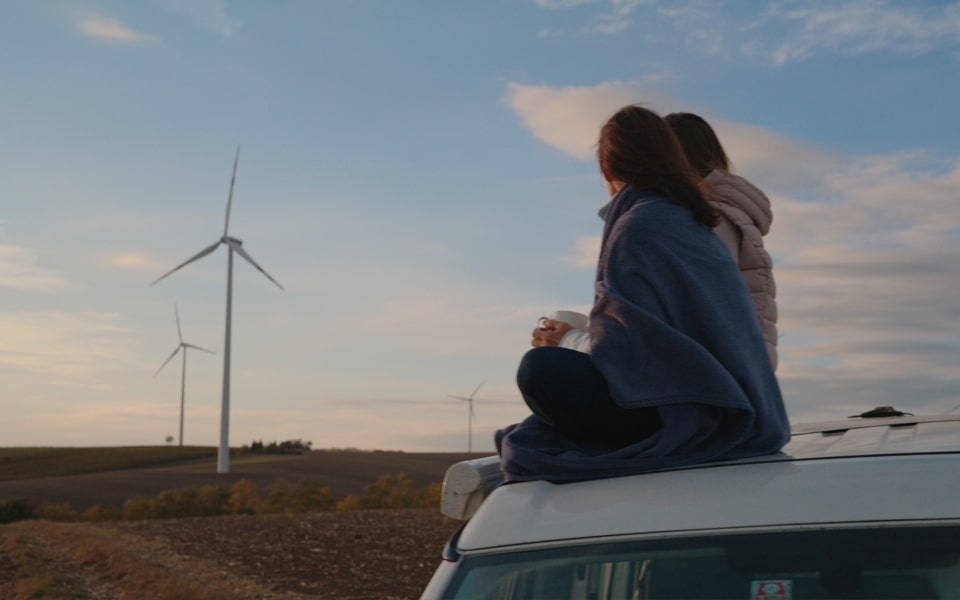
x=56 y=512
x=310 y=495
x=213 y=500
x=278 y=493
x=389 y=491
x=102 y=512
x=16 y=509
x=431 y=495
x=351 y=502
x=244 y=498
x=138 y=508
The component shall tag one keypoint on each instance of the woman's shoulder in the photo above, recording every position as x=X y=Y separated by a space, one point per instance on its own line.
x=726 y=191
x=652 y=210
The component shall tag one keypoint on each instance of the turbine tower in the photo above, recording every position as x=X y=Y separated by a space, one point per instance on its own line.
x=233 y=246
x=183 y=370
x=470 y=415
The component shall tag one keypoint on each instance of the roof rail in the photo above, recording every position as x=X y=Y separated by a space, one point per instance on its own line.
x=467 y=483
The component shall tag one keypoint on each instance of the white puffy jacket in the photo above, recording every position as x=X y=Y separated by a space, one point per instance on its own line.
x=745 y=219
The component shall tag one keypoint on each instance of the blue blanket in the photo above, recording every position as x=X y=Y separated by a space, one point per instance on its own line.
x=672 y=327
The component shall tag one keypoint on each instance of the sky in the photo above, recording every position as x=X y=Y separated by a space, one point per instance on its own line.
x=420 y=178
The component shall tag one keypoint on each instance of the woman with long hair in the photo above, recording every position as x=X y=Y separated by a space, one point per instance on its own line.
x=677 y=371
x=745 y=216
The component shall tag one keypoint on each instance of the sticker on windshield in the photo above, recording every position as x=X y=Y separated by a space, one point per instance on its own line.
x=771 y=589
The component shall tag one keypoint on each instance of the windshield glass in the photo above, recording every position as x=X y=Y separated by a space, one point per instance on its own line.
x=875 y=563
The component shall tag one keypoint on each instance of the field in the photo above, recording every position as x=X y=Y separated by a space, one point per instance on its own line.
x=388 y=553
x=343 y=471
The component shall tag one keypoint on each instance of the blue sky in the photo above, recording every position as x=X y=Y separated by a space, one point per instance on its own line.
x=420 y=178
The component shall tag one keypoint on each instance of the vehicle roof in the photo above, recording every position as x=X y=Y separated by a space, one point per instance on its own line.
x=893 y=468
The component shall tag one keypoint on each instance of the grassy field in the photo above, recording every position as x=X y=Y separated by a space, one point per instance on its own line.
x=33 y=463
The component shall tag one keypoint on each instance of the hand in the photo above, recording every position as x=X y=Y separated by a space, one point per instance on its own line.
x=549 y=332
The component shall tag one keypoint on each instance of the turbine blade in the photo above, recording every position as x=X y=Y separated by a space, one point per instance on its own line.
x=477 y=389
x=233 y=177
x=169 y=358
x=464 y=398
x=239 y=250
x=198 y=348
x=473 y=415
x=177 y=314
x=198 y=255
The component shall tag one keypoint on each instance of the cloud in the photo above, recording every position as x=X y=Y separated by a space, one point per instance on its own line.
x=586 y=253
x=561 y=4
x=19 y=271
x=106 y=29
x=69 y=349
x=569 y=118
x=208 y=15
x=787 y=31
x=133 y=259
x=864 y=26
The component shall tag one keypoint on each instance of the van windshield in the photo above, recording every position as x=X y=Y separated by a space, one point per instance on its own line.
x=873 y=562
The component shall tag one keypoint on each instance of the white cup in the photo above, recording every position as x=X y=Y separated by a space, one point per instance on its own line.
x=571 y=318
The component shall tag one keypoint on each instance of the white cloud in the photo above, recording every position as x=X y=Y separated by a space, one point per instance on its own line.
x=107 y=29
x=865 y=26
x=19 y=271
x=561 y=4
x=209 y=15
x=133 y=259
x=70 y=349
x=569 y=118
x=786 y=31
x=586 y=253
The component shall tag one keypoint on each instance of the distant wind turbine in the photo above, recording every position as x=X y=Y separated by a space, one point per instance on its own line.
x=470 y=415
x=233 y=245
x=183 y=371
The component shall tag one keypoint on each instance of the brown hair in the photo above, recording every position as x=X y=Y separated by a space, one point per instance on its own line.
x=637 y=147
x=699 y=142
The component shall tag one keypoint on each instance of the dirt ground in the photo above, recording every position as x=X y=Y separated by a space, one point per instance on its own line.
x=382 y=554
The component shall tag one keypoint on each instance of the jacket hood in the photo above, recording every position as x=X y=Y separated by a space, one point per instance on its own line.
x=736 y=191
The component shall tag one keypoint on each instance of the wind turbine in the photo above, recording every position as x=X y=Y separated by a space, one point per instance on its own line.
x=183 y=371
x=470 y=415
x=233 y=245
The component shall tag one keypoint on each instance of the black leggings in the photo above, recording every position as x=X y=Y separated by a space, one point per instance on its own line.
x=564 y=389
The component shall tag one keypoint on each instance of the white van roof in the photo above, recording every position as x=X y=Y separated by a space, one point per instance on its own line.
x=894 y=468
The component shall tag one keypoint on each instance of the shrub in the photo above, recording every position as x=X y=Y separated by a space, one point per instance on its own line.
x=351 y=502
x=244 y=497
x=56 y=512
x=213 y=500
x=15 y=509
x=277 y=497
x=138 y=508
x=310 y=495
x=431 y=495
x=389 y=491
x=102 y=512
